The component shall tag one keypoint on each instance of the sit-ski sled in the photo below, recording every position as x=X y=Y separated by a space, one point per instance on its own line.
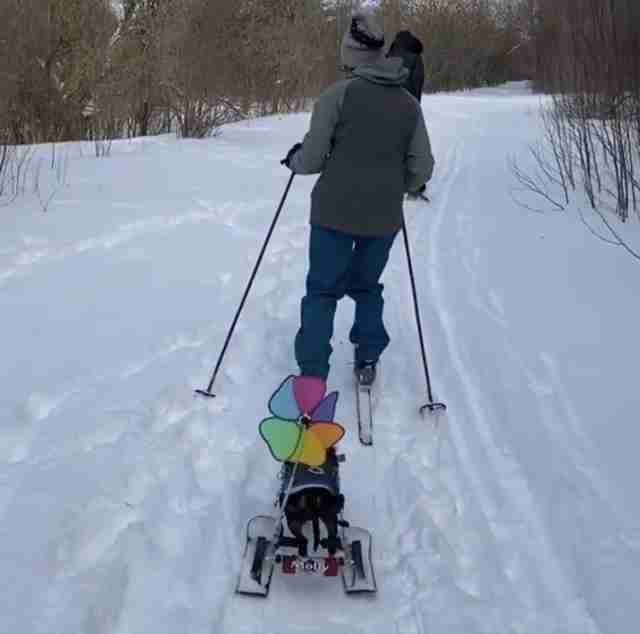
x=307 y=542
x=308 y=535
x=267 y=548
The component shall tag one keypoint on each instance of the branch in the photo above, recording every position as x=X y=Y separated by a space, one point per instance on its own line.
x=594 y=232
x=614 y=233
x=530 y=183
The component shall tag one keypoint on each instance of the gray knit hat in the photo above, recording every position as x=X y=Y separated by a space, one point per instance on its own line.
x=363 y=42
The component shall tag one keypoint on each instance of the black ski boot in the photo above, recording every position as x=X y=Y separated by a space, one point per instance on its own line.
x=365 y=372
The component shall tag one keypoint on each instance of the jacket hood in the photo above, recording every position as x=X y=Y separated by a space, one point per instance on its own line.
x=388 y=71
x=407 y=41
x=363 y=43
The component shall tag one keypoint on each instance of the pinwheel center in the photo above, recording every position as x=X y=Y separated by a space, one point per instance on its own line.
x=305 y=420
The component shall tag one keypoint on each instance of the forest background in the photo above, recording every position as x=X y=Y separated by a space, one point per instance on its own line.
x=100 y=70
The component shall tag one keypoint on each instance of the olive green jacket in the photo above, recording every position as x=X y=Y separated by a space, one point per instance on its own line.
x=369 y=142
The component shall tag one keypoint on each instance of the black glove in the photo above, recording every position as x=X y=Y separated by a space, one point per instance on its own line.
x=287 y=159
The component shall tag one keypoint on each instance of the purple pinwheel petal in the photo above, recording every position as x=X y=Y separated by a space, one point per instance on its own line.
x=283 y=403
x=327 y=409
x=308 y=391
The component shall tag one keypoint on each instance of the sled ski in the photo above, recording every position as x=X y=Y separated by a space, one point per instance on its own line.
x=258 y=560
x=307 y=534
x=357 y=571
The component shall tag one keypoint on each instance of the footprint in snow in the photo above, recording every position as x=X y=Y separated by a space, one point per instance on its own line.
x=109 y=428
x=173 y=406
x=225 y=278
x=107 y=599
x=17 y=435
x=497 y=303
x=266 y=285
x=89 y=533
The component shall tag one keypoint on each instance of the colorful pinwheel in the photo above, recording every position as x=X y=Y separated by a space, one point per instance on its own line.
x=301 y=428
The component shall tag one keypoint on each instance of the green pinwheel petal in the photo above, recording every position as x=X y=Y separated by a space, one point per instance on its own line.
x=282 y=437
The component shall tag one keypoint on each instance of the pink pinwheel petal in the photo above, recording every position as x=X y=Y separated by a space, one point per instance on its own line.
x=327 y=409
x=308 y=391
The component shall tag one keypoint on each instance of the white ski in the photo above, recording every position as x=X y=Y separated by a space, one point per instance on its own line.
x=364 y=412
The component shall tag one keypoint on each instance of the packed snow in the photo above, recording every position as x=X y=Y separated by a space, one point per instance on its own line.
x=124 y=498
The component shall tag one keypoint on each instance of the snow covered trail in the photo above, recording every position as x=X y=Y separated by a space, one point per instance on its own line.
x=554 y=526
x=123 y=499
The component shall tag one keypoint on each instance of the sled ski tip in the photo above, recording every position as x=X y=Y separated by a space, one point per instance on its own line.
x=258 y=559
x=357 y=572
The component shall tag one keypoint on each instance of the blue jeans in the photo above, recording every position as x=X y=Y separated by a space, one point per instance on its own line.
x=341 y=264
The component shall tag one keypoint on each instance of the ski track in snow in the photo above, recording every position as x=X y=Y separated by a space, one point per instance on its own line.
x=147 y=492
x=40 y=254
x=539 y=576
x=497 y=483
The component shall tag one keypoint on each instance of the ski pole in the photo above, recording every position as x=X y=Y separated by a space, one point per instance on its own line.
x=430 y=405
x=425 y=198
x=208 y=391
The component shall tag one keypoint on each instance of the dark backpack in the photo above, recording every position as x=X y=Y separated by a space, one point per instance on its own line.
x=314 y=497
x=409 y=48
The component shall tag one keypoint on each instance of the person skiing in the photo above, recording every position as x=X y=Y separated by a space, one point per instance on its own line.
x=368 y=140
x=409 y=48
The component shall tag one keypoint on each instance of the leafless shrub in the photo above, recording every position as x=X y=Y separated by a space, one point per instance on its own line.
x=588 y=55
x=468 y=43
x=46 y=187
x=102 y=69
x=16 y=168
x=104 y=129
x=545 y=181
x=103 y=147
x=6 y=157
x=202 y=117
x=594 y=157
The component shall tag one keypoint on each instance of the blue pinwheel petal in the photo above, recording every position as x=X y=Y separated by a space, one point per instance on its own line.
x=326 y=409
x=282 y=403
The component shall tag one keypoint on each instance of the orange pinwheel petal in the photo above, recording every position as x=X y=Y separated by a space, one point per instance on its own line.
x=327 y=433
x=311 y=452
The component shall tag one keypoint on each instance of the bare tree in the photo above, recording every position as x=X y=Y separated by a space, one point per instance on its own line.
x=588 y=54
x=99 y=69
